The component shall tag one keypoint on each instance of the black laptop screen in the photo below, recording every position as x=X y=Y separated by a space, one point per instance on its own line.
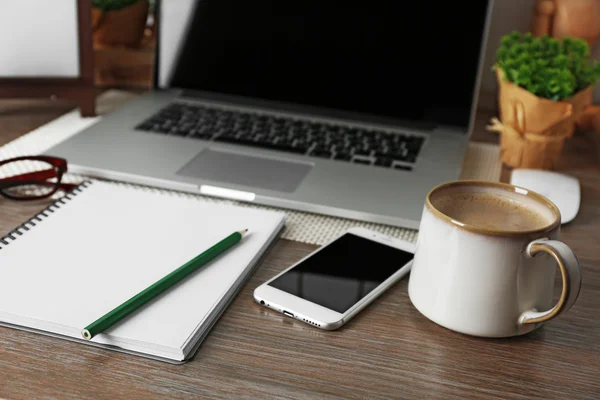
x=388 y=59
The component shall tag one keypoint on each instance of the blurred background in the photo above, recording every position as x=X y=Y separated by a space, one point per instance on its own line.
x=124 y=40
x=125 y=66
x=124 y=43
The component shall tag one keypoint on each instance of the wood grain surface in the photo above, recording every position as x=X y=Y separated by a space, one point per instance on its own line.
x=388 y=351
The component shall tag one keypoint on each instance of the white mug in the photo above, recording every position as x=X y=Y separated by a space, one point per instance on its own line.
x=487 y=282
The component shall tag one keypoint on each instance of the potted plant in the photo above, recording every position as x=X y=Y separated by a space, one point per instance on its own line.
x=119 y=22
x=545 y=84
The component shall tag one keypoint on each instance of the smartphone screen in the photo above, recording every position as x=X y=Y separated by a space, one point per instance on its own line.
x=341 y=274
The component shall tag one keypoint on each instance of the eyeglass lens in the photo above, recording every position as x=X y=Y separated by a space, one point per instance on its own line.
x=28 y=179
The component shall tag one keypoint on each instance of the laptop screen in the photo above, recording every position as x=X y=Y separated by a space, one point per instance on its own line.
x=386 y=59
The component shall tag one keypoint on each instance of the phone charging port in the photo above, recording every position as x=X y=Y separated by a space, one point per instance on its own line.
x=289 y=314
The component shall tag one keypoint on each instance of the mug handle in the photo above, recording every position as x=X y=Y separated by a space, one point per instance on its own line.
x=571 y=279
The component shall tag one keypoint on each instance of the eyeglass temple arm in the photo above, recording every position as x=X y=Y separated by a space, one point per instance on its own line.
x=58 y=162
x=34 y=178
x=41 y=175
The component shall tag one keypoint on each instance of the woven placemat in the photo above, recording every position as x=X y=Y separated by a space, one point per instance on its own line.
x=481 y=162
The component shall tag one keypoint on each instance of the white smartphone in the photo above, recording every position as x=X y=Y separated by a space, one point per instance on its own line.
x=331 y=285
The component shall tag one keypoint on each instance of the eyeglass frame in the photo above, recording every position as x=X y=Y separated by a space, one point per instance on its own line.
x=36 y=178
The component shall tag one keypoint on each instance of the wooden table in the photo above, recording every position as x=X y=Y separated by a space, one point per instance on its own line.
x=387 y=351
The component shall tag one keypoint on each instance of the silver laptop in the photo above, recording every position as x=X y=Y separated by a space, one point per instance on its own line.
x=347 y=110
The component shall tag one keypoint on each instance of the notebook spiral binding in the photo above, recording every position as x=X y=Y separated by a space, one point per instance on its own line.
x=39 y=217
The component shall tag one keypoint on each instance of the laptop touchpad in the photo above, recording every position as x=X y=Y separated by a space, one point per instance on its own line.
x=242 y=169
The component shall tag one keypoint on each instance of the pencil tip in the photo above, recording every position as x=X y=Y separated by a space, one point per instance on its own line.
x=243 y=232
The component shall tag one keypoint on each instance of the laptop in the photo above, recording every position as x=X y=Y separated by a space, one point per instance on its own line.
x=353 y=110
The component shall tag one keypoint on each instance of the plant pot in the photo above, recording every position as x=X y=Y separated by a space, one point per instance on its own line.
x=533 y=129
x=123 y=27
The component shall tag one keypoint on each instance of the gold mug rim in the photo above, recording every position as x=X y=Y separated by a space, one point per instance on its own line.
x=494 y=232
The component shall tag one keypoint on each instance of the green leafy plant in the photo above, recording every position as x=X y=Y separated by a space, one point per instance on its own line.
x=547 y=67
x=113 y=5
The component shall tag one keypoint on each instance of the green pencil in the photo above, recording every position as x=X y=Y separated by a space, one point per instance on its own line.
x=120 y=312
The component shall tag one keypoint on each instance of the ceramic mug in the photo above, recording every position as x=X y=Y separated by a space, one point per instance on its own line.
x=486 y=282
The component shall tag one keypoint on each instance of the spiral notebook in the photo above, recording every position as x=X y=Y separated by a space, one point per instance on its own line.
x=103 y=243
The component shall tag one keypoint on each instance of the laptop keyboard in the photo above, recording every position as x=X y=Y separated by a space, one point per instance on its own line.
x=314 y=139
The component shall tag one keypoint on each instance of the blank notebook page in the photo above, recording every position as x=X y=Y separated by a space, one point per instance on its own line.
x=109 y=242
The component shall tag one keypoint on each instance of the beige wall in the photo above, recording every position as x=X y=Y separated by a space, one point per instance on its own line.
x=38 y=38
x=509 y=15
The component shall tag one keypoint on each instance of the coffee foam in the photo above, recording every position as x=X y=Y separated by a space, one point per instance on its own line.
x=493 y=208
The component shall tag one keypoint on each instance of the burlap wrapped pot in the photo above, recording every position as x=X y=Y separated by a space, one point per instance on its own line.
x=533 y=129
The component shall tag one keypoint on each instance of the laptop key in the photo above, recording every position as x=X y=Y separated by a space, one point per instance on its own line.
x=382 y=154
x=362 y=152
x=384 y=162
x=321 y=153
x=289 y=149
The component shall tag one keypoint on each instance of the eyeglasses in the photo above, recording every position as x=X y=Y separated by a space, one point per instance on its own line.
x=32 y=178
